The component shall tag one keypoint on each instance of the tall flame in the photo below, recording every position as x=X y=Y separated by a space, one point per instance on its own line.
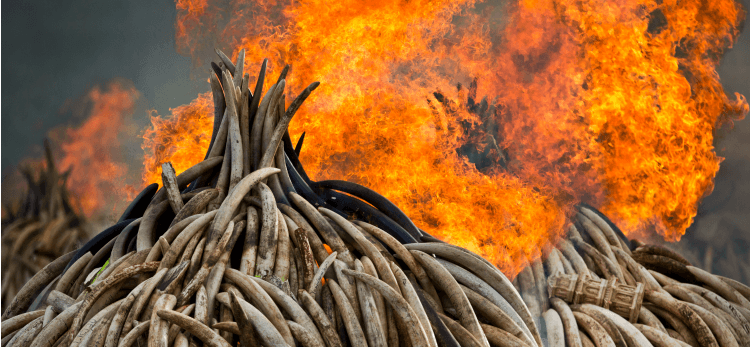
x=91 y=151
x=610 y=102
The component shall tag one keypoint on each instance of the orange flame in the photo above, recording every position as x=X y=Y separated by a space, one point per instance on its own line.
x=91 y=151
x=610 y=102
x=653 y=105
x=178 y=139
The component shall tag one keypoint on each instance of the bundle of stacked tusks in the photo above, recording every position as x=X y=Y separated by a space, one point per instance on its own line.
x=41 y=228
x=597 y=288
x=244 y=248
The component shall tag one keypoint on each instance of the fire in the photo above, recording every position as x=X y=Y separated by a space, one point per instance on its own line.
x=653 y=103
x=178 y=139
x=609 y=102
x=91 y=151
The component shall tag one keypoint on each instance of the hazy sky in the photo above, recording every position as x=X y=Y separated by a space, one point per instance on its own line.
x=54 y=50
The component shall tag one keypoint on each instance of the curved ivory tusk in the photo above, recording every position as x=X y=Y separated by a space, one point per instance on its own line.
x=316 y=284
x=291 y=307
x=487 y=272
x=101 y=287
x=202 y=332
x=440 y=275
x=231 y=203
x=399 y=304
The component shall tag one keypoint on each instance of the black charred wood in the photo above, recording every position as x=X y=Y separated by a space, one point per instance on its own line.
x=138 y=206
x=442 y=334
x=99 y=241
x=298 y=146
x=365 y=212
x=373 y=198
x=292 y=155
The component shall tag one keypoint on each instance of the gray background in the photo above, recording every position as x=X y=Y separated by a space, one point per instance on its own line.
x=53 y=51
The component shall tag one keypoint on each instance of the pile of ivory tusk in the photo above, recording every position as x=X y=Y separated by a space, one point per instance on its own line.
x=243 y=248
x=41 y=228
x=682 y=305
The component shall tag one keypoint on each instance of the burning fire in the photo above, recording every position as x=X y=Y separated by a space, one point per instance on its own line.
x=179 y=138
x=609 y=102
x=91 y=151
